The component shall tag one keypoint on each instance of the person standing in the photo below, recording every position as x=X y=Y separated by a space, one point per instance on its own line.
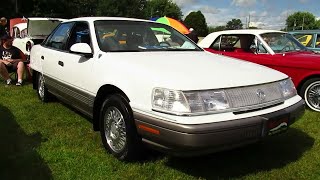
x=193 y=35
x=11 y=59
x=3 y=27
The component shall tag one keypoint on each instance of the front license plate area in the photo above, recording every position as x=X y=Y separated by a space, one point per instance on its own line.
x=277 y=125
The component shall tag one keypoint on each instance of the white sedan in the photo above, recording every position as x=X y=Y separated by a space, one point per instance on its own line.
x=167 y=93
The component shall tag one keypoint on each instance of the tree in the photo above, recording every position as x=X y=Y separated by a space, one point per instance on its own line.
x=197 y=21
x=302 y=21
x=215 y=29
x=159 y=8
x=122 y=8
x=234 y=24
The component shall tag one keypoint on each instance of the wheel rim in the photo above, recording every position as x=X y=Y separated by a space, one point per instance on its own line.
x=313 y=95
x=115 y=129
x=41 y=87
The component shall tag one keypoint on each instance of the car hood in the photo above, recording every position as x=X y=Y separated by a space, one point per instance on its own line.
x=192 y=70
x=42 y=27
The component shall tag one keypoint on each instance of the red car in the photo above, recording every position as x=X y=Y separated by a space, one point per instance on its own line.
x=275 y=49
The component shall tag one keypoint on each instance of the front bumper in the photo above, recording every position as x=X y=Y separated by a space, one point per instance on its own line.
x=181 y=139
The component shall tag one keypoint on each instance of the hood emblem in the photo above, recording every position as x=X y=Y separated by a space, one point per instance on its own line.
x=261 y=95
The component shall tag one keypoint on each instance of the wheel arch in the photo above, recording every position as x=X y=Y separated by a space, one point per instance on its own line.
x=103 y=92
x=34 y=79
x=301 y=83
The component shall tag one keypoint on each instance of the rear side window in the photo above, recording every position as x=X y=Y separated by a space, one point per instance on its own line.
x=225 y=42
x=60 y=36
x=235 y=42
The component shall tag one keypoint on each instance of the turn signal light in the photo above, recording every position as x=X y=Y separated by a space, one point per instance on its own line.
x=149 y=129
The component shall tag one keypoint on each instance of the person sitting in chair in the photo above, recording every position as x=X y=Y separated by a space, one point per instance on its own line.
x=11 y=59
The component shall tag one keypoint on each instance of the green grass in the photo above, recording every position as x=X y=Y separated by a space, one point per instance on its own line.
x=51 y=141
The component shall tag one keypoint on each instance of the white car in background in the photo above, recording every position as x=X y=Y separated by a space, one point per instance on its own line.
x=176 y=98
x=33 y=32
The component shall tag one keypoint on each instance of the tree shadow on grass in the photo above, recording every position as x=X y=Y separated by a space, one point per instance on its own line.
x=272 y=153
x=18 y=157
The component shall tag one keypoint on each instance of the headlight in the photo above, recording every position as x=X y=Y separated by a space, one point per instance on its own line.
x=179 y=102
x=287 y=88
x=169 y=101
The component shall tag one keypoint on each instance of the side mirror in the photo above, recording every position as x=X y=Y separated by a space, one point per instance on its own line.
x=83 y=49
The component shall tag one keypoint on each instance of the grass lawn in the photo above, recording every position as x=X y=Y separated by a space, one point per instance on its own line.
x=51 y=141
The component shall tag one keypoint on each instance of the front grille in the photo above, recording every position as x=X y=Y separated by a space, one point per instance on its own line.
x=254 y=97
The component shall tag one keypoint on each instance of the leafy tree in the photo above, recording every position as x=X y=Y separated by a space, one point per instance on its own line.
x=122 y=8
x=159 y=8
x=76 y=8
x=7 y=9
x=234 y=24
x=51 y=8
x=197 y=21
x=301 y=20
x=217 y=28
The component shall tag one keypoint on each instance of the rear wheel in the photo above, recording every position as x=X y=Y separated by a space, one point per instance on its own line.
x=117 y=129
x=42 y=90
x=310 y=92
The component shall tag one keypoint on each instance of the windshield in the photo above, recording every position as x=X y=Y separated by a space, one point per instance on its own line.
x=126 y=36
x=282 y=42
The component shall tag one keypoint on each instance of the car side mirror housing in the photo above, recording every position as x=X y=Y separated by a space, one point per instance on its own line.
x=82 y=49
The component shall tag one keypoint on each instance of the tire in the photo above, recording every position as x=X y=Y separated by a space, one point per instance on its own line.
x=310 y=92
x=117 y=129
x=42 y=90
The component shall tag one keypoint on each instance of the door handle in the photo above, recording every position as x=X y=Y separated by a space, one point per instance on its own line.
x=61 y=63
x=42 y=57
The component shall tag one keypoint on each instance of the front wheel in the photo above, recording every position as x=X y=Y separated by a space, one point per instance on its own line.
x=42 y=90
x=310 y=92
x=117 y=129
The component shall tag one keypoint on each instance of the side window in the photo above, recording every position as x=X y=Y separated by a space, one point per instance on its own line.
x=216 y=44
x=80 y=34
x=59 y=38
x=318 y=41
x=16 y=32
x=23 y=33
x=305 y=39
x=260 y=48
x=226 y=43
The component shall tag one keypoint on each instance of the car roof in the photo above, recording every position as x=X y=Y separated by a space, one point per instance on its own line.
x=305 y=31
x=207 y=41
x=247 y=31
x=91 y=19
x=44 y=18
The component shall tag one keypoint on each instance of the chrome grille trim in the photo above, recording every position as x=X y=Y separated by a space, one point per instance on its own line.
x=248 y=98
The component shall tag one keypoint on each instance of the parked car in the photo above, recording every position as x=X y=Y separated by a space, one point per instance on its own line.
x=275 y=49
x=309 y=38
x=170 y=96
x=19 y=31
x=33 y=32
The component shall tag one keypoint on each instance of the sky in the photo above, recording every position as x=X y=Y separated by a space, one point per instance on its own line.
x=266 y=14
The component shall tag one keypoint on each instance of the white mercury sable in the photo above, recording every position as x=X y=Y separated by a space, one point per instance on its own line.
x=143 y=82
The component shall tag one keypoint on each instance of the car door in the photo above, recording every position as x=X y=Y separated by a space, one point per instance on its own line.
x=50 y=55
x=243 y=46
x=75 y=70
